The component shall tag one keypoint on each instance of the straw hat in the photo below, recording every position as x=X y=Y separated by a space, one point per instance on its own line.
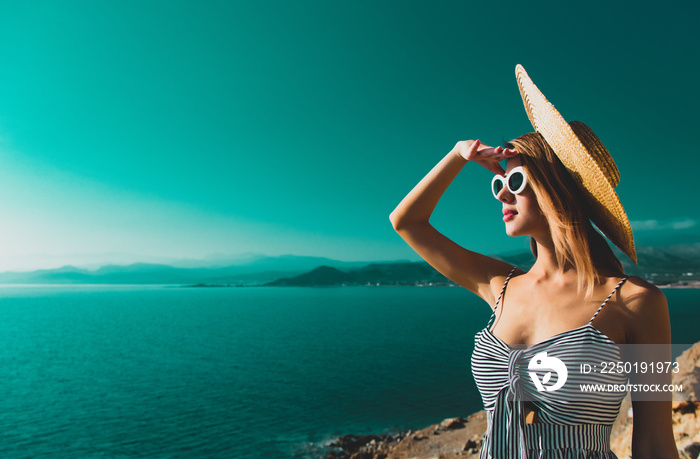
x=588 y=161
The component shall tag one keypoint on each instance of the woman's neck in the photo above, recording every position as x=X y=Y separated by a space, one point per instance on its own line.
x=546 y=265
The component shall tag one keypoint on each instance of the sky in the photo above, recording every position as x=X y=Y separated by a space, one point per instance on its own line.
x=135 y=131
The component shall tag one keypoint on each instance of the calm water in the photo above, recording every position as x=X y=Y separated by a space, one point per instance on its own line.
x=248 y=373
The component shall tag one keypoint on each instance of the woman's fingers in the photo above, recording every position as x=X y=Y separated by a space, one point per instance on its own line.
x=492 y=153
x=488 y=157
x=494 y=167
x=498 y=153
x=474 y=149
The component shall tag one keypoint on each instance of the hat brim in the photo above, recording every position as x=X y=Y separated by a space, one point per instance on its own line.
x=606 y=210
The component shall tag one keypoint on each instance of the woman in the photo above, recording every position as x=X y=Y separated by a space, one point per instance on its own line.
x=572 y=308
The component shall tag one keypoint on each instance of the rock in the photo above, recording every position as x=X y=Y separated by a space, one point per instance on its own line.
x=352 y=443
x=452 y=423
x=686 y=408
x=473 y=445
x=686 y=425
x=688 y=374
x=690 y=450
x=683 y=407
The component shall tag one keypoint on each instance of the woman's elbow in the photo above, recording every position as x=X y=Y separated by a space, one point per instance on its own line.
x=395 y=220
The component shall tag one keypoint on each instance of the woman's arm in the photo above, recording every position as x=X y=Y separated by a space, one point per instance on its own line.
x=411 y=220
x=652 y=434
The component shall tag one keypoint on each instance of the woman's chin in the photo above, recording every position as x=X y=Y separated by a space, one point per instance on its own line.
x=514 y=231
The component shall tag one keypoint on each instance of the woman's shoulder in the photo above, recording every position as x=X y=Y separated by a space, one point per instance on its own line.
x=639 y=294
x=646 y=306
x=500 y=280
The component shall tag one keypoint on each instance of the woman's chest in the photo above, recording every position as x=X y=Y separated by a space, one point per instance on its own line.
x=532 y=318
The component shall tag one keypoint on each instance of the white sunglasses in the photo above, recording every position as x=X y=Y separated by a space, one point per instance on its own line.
x=515 y=180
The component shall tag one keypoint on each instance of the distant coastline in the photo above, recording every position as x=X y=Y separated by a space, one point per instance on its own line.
x=674 y=285
x=691 y=284
x=675 y=266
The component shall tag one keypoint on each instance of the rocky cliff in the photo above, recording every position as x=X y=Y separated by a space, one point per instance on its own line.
x=461 y=438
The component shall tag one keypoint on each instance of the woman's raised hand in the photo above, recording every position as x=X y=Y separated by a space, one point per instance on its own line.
x=489 y=157
x=411 y=219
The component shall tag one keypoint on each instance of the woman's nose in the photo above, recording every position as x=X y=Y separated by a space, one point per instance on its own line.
x=505 y=195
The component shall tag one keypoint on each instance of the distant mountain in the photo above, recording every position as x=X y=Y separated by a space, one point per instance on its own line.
x=670 y=263
x=323 y=275
x=404 y=273
x=253 y=270
x=659 y=265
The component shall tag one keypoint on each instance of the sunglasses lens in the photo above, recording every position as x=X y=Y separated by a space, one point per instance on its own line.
x=497 y=187
x=515 y=181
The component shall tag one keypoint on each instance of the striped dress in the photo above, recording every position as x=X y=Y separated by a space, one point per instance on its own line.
x=572 y=422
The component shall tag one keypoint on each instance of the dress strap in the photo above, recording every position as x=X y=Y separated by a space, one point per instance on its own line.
x=608 y=298
x=505 y=284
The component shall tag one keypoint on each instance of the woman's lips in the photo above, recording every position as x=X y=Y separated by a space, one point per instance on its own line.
x=508 y=215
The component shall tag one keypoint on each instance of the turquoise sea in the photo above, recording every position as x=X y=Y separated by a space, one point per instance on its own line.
x=157 y=371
